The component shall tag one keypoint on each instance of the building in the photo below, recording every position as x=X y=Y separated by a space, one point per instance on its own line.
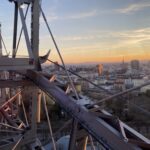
x=124 y=67
x=135 y=64
x=56 y=66
x=100 y=69
x=145 y=89
x=148 y=64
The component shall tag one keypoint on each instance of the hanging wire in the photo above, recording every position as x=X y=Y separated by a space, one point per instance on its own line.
x=49 y=123
x=108 y=92
x=63 y=127
x=120 y=94
x=24 y=111
x=9 y=126
x=58 y=51
x=64 y=67
x=18 y=142
x=140 y=109
x=11 y=99
x=10 y=131
x=72 y=72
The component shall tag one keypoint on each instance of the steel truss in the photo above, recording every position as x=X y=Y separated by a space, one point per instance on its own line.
x=96 y=125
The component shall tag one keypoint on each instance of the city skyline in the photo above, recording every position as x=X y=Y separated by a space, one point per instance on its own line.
x=90 y=31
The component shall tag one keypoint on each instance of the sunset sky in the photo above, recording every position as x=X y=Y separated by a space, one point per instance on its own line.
x=89 y=30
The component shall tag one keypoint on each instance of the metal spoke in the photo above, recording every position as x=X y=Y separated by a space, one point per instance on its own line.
x=63 y=127
x=60 y=56
x=85 y=79
x=120 y=94
x=18 y=142
x=4 y=45
x=9 y=131
x=9 y=126
x=11 y=99
x=49 y=123
x=25 y=114
x=72 y=142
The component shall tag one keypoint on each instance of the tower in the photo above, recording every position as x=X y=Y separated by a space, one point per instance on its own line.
x=100 y=69
x=135 y=64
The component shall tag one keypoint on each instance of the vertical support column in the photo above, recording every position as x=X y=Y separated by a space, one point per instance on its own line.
x=35 y=12
x=2 y=91
x=34 y=112
x=39 y=107
x=30 y=97
x=82 y=144
x=15 y=29
x=72 y=142
x=0 y=42
x=92 y=143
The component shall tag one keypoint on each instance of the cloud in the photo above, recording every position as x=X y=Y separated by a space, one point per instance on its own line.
x=53 y=16
x=50 y=18
x=105 y=43
x=127 y=39
x=132 y=36
x=108 y=40
x=82 y=15
x=134 y=7
x=77 y=38
x=99 y=44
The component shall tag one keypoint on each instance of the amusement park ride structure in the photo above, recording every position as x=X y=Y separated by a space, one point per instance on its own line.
x=95 y=124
